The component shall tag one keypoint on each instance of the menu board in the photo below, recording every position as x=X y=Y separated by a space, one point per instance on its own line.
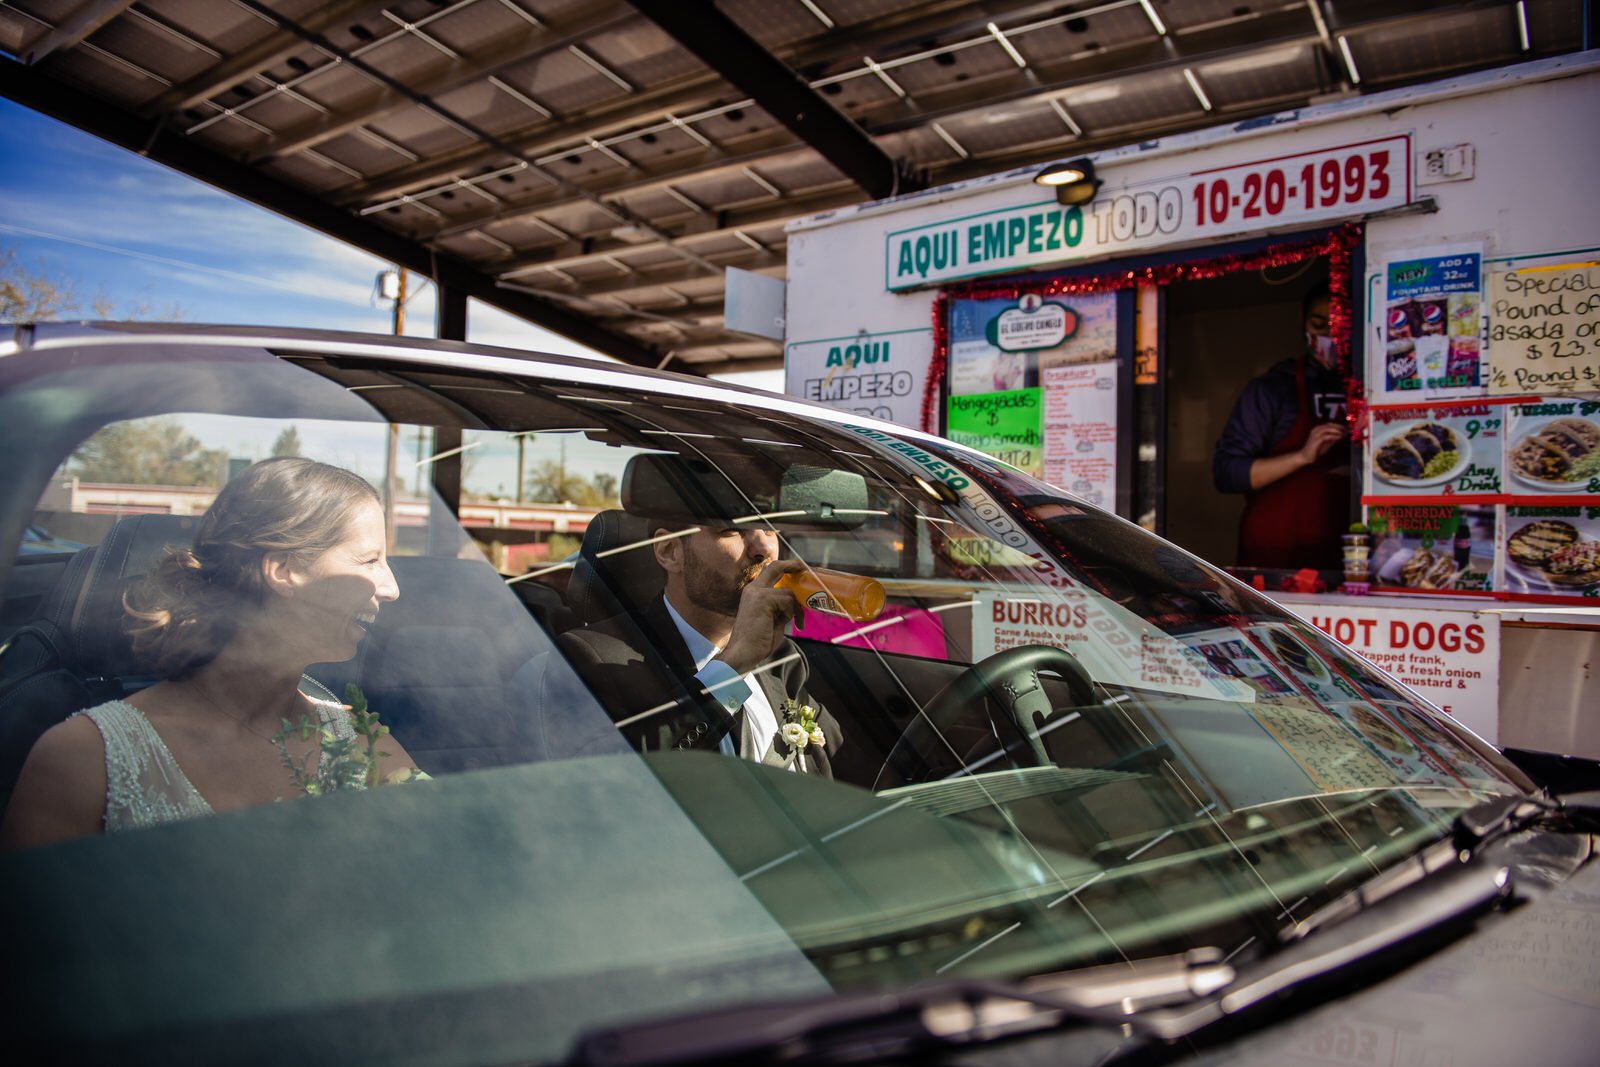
x=1320 y=744
x=1440 y=547
x=1544 y=329
x=1080 y=430
x=1429 y=334
x=1113 y=644
x=1006 y=425
x=1552 y=550
x=1445 y=449
x=1329 y=685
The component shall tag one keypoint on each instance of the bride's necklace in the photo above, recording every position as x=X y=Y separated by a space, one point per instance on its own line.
x=244 y=725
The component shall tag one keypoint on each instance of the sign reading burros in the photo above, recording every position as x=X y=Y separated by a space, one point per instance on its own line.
x=1308 y=187
x=1114 y=645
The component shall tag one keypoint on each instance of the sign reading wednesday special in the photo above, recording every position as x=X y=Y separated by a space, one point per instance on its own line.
x=1315 y=186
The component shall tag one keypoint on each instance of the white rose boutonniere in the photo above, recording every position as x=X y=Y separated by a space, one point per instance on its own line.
x=795 y=735
x=800 y=725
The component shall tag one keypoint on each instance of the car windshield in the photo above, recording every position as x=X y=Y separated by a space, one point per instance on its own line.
x=1060 y=741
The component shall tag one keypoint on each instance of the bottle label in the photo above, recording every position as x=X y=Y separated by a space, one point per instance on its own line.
x=821 y=601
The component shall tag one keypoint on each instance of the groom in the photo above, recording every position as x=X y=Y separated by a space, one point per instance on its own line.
x=720 y=629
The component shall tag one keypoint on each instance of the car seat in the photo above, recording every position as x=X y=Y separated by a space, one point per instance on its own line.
x=78 y=653
x=439 y=664
x=438 y=667
x=616 y=571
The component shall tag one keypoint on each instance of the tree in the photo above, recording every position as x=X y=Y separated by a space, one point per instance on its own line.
x=157 y=451
x=552 y=483
x=38 y=294
x=31 y=294
x=288 y=443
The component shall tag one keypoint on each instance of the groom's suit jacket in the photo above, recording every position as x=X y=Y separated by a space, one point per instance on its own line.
x=642 y=672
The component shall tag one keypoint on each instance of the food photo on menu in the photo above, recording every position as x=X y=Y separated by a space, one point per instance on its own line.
x=1424 y=453
x=1446 y=449
x=1433 y=547
x=1555 y=447
x=1553 y=550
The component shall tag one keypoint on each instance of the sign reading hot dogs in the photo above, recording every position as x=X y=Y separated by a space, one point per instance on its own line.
x=1451 y=657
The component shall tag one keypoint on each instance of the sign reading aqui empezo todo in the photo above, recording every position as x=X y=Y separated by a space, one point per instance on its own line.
x=1266 y=194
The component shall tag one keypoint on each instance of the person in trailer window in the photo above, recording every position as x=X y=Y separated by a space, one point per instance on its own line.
x=1285 y=448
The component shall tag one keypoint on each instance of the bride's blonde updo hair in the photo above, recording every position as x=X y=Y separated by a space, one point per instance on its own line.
x=191 y=604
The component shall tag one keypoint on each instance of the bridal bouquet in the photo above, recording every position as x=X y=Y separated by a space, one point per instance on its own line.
x=345 y=762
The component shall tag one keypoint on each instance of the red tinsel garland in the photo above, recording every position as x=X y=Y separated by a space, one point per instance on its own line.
x=1336 y=245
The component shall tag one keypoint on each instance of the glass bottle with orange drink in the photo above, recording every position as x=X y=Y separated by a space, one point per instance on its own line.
x=851 y=596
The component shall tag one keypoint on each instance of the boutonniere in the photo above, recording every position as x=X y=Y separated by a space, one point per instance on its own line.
x=800 y=727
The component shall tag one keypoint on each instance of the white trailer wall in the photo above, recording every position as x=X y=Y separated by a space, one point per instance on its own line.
x=854 y=343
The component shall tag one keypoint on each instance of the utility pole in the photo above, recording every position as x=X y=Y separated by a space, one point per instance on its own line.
x=392 y=286
x=522 y=447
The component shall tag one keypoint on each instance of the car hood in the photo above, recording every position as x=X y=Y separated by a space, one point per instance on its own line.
x=1523 y=987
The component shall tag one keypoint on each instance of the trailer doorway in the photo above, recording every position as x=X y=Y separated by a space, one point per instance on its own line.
x=1219 y=333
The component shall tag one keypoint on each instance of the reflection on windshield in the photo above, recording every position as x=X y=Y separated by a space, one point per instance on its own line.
x=1062 y=742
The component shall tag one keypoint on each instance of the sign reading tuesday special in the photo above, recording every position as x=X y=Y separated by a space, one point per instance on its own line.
x=1270 y=193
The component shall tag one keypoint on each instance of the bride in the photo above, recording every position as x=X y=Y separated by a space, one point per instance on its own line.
x=288 y=568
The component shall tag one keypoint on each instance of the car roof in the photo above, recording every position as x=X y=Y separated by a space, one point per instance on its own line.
x=457 y=355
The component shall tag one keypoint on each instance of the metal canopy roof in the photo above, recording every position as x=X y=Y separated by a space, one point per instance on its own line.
x=594 y=165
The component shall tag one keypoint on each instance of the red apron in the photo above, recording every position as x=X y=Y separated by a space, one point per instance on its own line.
x=1296 y=521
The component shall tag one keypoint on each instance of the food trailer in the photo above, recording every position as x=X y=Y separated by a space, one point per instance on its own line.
x=1101 y=344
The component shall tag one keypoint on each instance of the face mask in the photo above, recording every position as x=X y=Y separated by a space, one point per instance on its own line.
x=1321 y=348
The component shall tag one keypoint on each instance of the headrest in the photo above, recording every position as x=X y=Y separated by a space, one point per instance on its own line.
x=740 y=489
x=616 y=571
x=98 y=632
x=691 y=489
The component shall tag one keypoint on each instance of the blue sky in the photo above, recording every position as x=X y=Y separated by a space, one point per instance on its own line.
x=74 y=206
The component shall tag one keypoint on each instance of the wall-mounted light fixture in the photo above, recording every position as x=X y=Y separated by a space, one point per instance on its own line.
x=1073 y=180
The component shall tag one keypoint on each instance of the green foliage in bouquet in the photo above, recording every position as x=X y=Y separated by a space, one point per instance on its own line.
x=344 y=762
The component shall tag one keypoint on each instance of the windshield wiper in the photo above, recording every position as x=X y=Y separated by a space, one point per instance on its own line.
x=856 y=1027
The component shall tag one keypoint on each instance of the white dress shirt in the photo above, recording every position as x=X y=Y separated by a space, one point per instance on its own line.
x=730 y=688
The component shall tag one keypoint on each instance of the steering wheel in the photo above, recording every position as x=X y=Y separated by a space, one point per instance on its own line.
x=1011 y=680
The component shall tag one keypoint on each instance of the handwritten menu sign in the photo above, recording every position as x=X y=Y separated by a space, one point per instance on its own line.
x=1006 y=425
x=1544 y=330
x=1080 y=430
